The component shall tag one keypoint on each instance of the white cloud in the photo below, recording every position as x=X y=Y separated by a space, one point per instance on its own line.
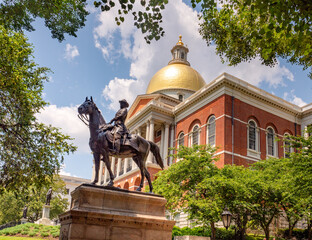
x=118 y=89
x=291 y=97
x=66 y=119
x=147 y=59
x=63 y=171
x=71 y=52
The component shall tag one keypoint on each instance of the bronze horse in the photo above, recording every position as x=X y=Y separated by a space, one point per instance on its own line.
x=101 y=144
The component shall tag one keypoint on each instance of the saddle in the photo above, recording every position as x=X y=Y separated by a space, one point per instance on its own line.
x=126 y=140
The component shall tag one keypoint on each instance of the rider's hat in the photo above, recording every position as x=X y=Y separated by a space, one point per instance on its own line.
x=125 y=102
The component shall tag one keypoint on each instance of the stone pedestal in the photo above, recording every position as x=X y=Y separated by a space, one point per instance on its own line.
x=24 y=220
x=45 y=220
x=107 y=213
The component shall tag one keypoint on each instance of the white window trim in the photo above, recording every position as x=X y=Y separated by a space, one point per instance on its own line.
x=207 y=131
x=179 y=137
x=274 y=143
x=250 y=152
x=291 y=149
x=191 y=135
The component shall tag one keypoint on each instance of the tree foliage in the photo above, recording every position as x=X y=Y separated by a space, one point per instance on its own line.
x=182 y=185
x=12 y=204
x=60 y=16
x=30 y=152
x=243 y=30
x=240 y=29
x=261 y=192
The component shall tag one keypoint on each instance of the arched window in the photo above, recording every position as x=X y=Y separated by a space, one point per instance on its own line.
x=287 y=145
x=211 y=131
x=195 y=135
x=253 y=142
x=180 y=97
x=181 y=139
x=271 y=146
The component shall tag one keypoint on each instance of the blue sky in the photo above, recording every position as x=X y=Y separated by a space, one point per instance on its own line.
x=110 y=63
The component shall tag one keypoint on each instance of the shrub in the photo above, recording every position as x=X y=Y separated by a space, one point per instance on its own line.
x=223 y=234
x=55 y=234
x=32 y=234
x=300 y=234
x=45 y=234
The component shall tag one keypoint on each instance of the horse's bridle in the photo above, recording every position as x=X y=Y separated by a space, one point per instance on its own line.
x=84 y=119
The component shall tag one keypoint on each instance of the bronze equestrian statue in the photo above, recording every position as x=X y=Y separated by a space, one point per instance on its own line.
x=103 y=139
x=120 y=129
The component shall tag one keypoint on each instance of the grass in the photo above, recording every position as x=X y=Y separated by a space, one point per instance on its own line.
x=32 y=230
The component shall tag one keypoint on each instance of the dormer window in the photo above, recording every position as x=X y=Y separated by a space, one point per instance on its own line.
x=180 y=97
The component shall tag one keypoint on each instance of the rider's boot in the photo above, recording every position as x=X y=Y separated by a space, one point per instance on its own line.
x=117 y=146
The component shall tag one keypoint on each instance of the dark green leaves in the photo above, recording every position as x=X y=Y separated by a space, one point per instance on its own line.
x=30 y=152
x=61 y=17
x=148 y=19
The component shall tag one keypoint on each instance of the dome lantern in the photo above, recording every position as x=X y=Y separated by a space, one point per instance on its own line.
x=178 y=79
x=179 y=53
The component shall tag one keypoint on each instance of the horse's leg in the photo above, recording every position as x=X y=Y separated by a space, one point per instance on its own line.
x=138 y=160
x=148 y=177
x=96 y=157
x=108 y=166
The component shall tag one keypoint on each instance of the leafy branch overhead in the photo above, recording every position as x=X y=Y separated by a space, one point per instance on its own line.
x=30 y=152
x=241 y=29
x=148 y=19
x=60 y=16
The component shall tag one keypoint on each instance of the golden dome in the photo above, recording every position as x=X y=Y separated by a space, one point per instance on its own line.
x=176 y=76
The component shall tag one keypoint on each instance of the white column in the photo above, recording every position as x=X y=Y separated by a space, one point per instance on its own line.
x=101 y=175
x=147 y=130
x=162 y=141
x=139 y=131
x=151 y=135
x=166 y=140
x=93 y=171
x=113 y=164
x=134 y=165
x=126 y=164
x=171 y=144
x=105 y=174
x=151 y=138
x=118 y=166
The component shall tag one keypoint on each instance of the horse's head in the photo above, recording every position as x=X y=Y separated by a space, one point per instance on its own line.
x=87 y=107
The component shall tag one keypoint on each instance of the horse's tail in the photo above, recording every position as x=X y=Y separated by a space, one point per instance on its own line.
x=155 y=150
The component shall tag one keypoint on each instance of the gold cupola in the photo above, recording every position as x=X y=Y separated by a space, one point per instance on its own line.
x=178 y=78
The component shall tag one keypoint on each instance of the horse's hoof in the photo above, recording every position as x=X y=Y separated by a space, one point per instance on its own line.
x=110 y=184
x=138 y=189
x=93 y=182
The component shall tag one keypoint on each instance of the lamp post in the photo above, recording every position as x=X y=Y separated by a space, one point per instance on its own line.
x=226 y=217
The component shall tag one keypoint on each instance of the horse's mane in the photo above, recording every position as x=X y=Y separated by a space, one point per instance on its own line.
x=102 y=120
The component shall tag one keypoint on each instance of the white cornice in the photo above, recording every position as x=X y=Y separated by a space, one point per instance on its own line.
x=152 y=108
x=230 y=85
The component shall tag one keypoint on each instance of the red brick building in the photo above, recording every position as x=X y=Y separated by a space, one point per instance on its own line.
x=179 y=108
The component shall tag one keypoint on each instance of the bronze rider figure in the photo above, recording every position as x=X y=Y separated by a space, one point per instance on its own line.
x=120 y=129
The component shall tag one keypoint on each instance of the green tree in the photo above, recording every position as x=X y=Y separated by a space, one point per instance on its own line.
x=30 y=152
x=241 y=29
x=60 y=16
x=12 y=204
x=300 y=168
x=233 y=191
x=266 y=196
x=182 y=184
